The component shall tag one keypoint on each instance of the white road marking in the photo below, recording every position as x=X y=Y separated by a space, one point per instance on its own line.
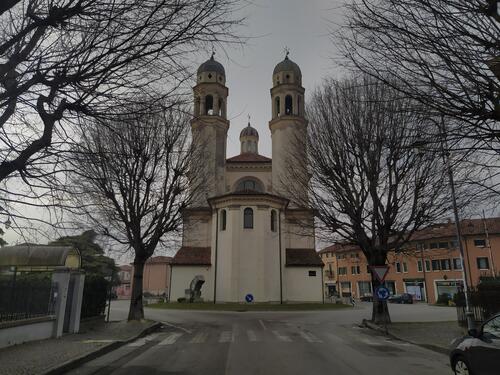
x=251 y=336
x=226 y=336
x=372 y=343
x=281 y=337
x=262 y=324
x=200 y=337
x=176 y=327
x=309 y=337
x=171 y=339
x=142 y=341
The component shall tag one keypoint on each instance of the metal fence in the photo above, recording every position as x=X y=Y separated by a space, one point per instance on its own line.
x=25 y=297
x=484 y=301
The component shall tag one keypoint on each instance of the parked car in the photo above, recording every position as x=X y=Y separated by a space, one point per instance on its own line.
x=478 y=353
x=368 y=297
x=401 y=298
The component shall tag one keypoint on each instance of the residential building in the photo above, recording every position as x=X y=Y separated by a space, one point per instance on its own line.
x=428 y=266
x=123 y=290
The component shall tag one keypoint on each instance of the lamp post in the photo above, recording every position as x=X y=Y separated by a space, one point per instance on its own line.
x=446 y=155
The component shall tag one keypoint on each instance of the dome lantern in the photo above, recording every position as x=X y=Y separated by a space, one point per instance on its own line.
x=249 y=138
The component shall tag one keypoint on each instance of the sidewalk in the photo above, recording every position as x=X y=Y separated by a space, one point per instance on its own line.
x=432 y=335
x=46 y=356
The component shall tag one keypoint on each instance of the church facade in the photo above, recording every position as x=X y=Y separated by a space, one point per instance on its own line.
x=244 y=235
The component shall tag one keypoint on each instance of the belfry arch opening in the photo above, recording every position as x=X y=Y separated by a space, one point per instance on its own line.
x=209 y=105
x=288 y=105
x=277 y=105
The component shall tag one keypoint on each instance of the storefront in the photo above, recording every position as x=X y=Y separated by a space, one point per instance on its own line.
x=449 y=287
x=415 y=287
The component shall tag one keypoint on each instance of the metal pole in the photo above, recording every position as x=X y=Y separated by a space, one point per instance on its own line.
x=493 y=273
x=468 y=311
x=109 y=293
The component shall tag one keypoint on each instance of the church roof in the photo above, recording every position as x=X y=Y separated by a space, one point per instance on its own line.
x=248 y=157
x=303 y=257
x=287 y=65
x=192 y=256
x=249 y=131
x=211 y=65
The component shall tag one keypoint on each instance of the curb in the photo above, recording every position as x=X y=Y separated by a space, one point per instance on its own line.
x=381 y=330
x=78 y=361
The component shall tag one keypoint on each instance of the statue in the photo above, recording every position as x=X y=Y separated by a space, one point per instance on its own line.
x=193 y=294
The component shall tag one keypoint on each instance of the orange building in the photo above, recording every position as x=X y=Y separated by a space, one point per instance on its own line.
x=428 y=266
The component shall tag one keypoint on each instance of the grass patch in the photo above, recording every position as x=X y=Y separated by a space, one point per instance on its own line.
x=207 y=306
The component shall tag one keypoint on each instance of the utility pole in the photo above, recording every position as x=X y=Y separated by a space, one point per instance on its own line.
x=446 y=155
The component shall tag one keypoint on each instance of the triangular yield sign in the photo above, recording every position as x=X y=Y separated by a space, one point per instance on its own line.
x=380 y=272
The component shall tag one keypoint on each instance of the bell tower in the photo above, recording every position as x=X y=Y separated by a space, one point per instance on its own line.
x=209 y=128
x=289 y=131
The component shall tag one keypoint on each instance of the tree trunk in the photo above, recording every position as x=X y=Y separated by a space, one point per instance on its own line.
x=380 y=310
x=136 y=311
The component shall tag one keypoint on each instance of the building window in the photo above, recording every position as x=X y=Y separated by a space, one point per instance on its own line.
x=427 y=265
x=405 y=267
x=398 y=267
x=312 y=273
x=248 y=218
x=445 y=264
x=434 y=245
x=288 y=105
x=443 y=245
x=342 y=271
x=419 y=266
x=249 y=184
x=368 y=268
x=457 y=264
x=223 y=220
x=364 y=288
x=355 y=270
x=436 y=265
x=209 y=105
x=482 y=263
x=480 y=243
x=274 y=221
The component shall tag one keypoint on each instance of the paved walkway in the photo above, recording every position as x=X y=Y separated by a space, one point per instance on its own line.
x=38 y=357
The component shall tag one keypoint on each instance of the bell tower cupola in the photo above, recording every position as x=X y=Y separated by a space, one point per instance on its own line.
x=288 y=130
x=209 y=127
x=249 y=138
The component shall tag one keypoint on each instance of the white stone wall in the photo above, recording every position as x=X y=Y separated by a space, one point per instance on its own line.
x=182 y=277
x=301 y=287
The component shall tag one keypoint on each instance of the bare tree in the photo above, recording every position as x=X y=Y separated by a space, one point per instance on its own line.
x=61 y=60
x=131 y=181
x=370 y=181
x=443 y=53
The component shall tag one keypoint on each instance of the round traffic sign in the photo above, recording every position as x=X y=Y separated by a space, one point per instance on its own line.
x=382 y=293
x=249 y=298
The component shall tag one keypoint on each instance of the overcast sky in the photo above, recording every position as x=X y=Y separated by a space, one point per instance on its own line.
x=301 y=26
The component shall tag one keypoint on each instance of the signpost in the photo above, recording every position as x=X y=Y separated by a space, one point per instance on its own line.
x=249 y=298
x=382 y=293
x=380 y=272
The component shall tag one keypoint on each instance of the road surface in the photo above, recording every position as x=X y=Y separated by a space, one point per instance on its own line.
x=283 y=343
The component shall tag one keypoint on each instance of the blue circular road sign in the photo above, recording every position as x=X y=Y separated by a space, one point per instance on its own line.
x=249 y=298
x=382 y=293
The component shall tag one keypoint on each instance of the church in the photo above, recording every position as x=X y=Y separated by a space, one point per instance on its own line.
x=245 y=236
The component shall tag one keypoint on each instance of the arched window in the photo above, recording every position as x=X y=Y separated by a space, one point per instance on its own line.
x=299 y=106
x=221 y=107
x=277 y=105
x=197 y=106
x=209 y=105
x=223 y=220
x=250 y=184
x=288 y=105
x=274 y=221
x=248 y=218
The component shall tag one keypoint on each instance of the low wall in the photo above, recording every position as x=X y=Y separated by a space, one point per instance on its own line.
x=17 y=332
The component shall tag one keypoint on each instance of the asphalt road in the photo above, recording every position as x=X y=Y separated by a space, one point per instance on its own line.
x=232 y=343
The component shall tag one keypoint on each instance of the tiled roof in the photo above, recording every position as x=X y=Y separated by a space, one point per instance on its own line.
x=303 y=257
x=159 y=259
x=248 y=157
x=196 y=256
x=469 y=227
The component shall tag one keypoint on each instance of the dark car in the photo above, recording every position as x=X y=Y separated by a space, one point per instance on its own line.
x=401 y=298
x=478 y=353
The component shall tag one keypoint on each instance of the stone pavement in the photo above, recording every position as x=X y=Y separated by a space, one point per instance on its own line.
x=44 y=356
x=433 y=335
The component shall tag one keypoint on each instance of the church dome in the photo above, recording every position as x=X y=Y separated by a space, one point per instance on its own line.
x=248 y=131
x=287 y=65
x=211 y=66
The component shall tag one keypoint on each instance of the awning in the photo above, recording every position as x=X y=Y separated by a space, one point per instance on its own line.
x=39 y=257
